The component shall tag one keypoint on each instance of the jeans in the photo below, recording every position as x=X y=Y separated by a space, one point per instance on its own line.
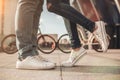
x=63 y=8
x=73 y=33
x=26 y=26
x=71 y=28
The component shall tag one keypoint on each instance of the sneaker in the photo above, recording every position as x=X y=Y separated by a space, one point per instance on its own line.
x=101 y=35
x=74 y=57
x=34 y=62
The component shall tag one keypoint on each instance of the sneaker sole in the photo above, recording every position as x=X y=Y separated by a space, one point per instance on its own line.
x=25 y=68
x=34 y=68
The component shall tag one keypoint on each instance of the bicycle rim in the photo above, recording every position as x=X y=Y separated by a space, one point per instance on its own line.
x=46 y=44
x=8 y=44
x=64 y=43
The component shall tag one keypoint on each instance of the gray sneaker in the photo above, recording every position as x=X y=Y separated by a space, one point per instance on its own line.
x=34 y=62
x=101 y=35
x=74 y=57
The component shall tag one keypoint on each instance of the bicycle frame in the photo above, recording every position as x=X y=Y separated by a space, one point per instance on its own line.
x=86 y=37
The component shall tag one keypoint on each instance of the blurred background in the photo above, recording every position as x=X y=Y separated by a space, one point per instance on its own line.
x=106 y=10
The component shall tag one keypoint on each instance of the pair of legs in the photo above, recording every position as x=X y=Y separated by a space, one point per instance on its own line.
x=27 y=19
x=26 y=23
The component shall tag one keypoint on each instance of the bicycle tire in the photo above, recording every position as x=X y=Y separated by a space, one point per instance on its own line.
x=97 y=47
x=9 y=47
x=44 y=49
x=63 y=46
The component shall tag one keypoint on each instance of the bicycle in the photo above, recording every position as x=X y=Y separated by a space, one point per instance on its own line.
x=47 y=44
x=63 y=43
x=87 y=39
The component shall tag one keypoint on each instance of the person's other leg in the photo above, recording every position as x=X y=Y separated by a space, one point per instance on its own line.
x=71 y=28
x=73 y=34
x=26 y=23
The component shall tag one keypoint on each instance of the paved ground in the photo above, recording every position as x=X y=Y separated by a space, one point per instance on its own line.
x=93 y=66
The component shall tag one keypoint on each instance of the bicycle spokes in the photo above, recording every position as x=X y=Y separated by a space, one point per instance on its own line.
x=46 y=44
x=64 y=43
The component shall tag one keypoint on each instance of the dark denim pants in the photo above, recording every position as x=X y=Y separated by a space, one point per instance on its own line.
x=71 y=28
x=63 y=8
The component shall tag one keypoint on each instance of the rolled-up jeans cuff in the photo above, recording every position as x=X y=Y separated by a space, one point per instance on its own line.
x=75 y=44
x=30 y=50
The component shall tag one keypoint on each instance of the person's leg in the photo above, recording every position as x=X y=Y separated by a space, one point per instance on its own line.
x=26 y=23
x=98 y=28
x=73 y=34
x=71 y=28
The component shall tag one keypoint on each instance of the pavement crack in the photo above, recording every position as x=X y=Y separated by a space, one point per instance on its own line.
x=61 y=74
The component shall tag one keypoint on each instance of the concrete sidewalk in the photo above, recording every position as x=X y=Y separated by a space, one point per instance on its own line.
x=93 y=66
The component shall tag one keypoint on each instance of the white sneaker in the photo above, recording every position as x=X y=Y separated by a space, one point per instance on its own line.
x=74 y=57
x=34 y=62
x=101 y=35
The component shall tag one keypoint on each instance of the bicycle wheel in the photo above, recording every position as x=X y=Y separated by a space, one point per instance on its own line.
x=46 y=44
x=8 y=44
x=96 y=45
x=64 y=43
